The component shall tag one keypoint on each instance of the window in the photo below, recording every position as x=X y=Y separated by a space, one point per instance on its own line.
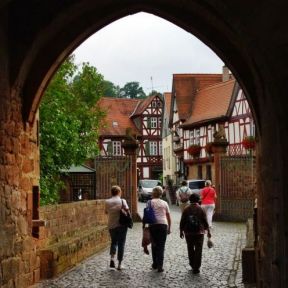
x=191 y=137
x=154 y=104
x=117 y=148
x=160 y=122
x=153 y=122
x=194 y=137
x=153 y=148
x=197 y=137
x=160 y=148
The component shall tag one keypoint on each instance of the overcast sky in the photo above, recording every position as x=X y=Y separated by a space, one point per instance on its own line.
x=141 y=46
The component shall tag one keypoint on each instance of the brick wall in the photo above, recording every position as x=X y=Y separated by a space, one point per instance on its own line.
x=72 y=232
x=67 y=220
x=19 y=172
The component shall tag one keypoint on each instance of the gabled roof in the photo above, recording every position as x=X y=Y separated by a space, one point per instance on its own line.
x=185 y=87
x=118 y=112
x=78 y=169
x=211 y=103
x=143 y=104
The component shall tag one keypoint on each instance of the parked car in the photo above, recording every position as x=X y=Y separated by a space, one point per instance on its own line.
x=145 y=188
x=195 y=185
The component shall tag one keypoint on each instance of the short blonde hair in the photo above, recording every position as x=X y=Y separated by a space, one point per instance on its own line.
x=115 y=190
x=208 y=183
x=157 y=192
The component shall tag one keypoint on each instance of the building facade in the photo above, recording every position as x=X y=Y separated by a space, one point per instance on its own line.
x=141 y=119
x=217 y=107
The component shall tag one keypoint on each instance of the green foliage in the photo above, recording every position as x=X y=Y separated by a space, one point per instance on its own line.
x=68 y=124
x=110 y=90
x=132 y=90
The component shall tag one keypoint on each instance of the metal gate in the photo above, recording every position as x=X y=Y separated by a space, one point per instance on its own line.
x=237 y=187
x=113 y=170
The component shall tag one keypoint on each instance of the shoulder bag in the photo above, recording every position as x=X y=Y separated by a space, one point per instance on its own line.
x=149 y=214
x=125 y=218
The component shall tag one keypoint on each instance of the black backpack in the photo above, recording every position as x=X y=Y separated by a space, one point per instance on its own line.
x=193 y=224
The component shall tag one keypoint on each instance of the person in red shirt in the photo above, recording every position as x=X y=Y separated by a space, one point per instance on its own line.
x=208 y=198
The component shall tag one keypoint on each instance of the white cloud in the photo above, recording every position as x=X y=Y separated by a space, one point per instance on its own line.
x=137 y=47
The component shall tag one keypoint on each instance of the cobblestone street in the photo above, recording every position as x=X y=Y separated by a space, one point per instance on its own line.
x=221 y=265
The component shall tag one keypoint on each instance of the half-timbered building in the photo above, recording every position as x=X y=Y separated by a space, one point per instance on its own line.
x=212 y=106
x=143 y=118
x=218 y=114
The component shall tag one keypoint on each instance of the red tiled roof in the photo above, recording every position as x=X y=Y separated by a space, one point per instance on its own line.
x=211 y=103
x=167 y=100
x=185 y=87
x=118 y=111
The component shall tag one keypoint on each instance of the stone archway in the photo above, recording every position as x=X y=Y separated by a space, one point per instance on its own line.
x=36 y=36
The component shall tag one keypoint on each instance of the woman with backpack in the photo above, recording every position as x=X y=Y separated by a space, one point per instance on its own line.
x=183 y=194
x=193 y=224
x=208 y=198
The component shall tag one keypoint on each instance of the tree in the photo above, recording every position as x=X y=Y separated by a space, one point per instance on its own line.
x=110 y=90
x=132 y=90
x=68 y=124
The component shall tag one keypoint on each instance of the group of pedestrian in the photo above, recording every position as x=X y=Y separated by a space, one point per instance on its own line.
x=207 y=195
x=193 y=224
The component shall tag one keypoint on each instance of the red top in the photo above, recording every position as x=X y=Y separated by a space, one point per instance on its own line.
x=208 y=196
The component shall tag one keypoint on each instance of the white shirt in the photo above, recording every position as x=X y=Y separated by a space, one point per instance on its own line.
x=183 y=189
x=112 y=208
x=160 y=208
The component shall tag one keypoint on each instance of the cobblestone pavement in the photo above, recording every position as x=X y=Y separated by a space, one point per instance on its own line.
x=221 y=265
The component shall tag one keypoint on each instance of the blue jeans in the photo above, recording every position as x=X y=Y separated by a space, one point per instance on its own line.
x=118 y=239
x=158 y=234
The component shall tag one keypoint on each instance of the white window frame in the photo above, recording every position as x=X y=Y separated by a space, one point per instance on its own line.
x=153 y=148
x=153 y=122
x=116 y=148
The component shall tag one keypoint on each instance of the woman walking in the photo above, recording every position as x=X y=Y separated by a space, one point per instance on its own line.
x=117 y=231
x=208 y=198
x=159 y=229
x=193 y=224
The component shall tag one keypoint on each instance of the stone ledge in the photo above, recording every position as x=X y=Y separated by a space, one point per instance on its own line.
x=61 y=256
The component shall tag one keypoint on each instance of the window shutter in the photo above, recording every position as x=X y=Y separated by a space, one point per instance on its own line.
x=109 y=149
x=147 y=148
x=148 y=122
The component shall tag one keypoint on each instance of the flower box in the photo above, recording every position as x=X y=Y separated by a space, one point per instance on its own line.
x=194 y=150
x=249 y=142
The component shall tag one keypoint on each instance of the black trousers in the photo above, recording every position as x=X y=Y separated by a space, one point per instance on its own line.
x=195 y=246
x=158 y=234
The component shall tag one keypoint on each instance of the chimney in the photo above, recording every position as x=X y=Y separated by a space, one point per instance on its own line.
x=225 y=74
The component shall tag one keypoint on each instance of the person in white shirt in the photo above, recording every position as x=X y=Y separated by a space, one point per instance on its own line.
x=183 y=194
x=117 y=231
x=160 y=229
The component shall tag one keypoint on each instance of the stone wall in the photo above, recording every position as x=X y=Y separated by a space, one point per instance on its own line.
x=72 y=232
x=19 y=172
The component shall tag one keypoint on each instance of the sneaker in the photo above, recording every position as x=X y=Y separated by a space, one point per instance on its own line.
x=160 y=269
x=112 y=264
x=196 y=271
